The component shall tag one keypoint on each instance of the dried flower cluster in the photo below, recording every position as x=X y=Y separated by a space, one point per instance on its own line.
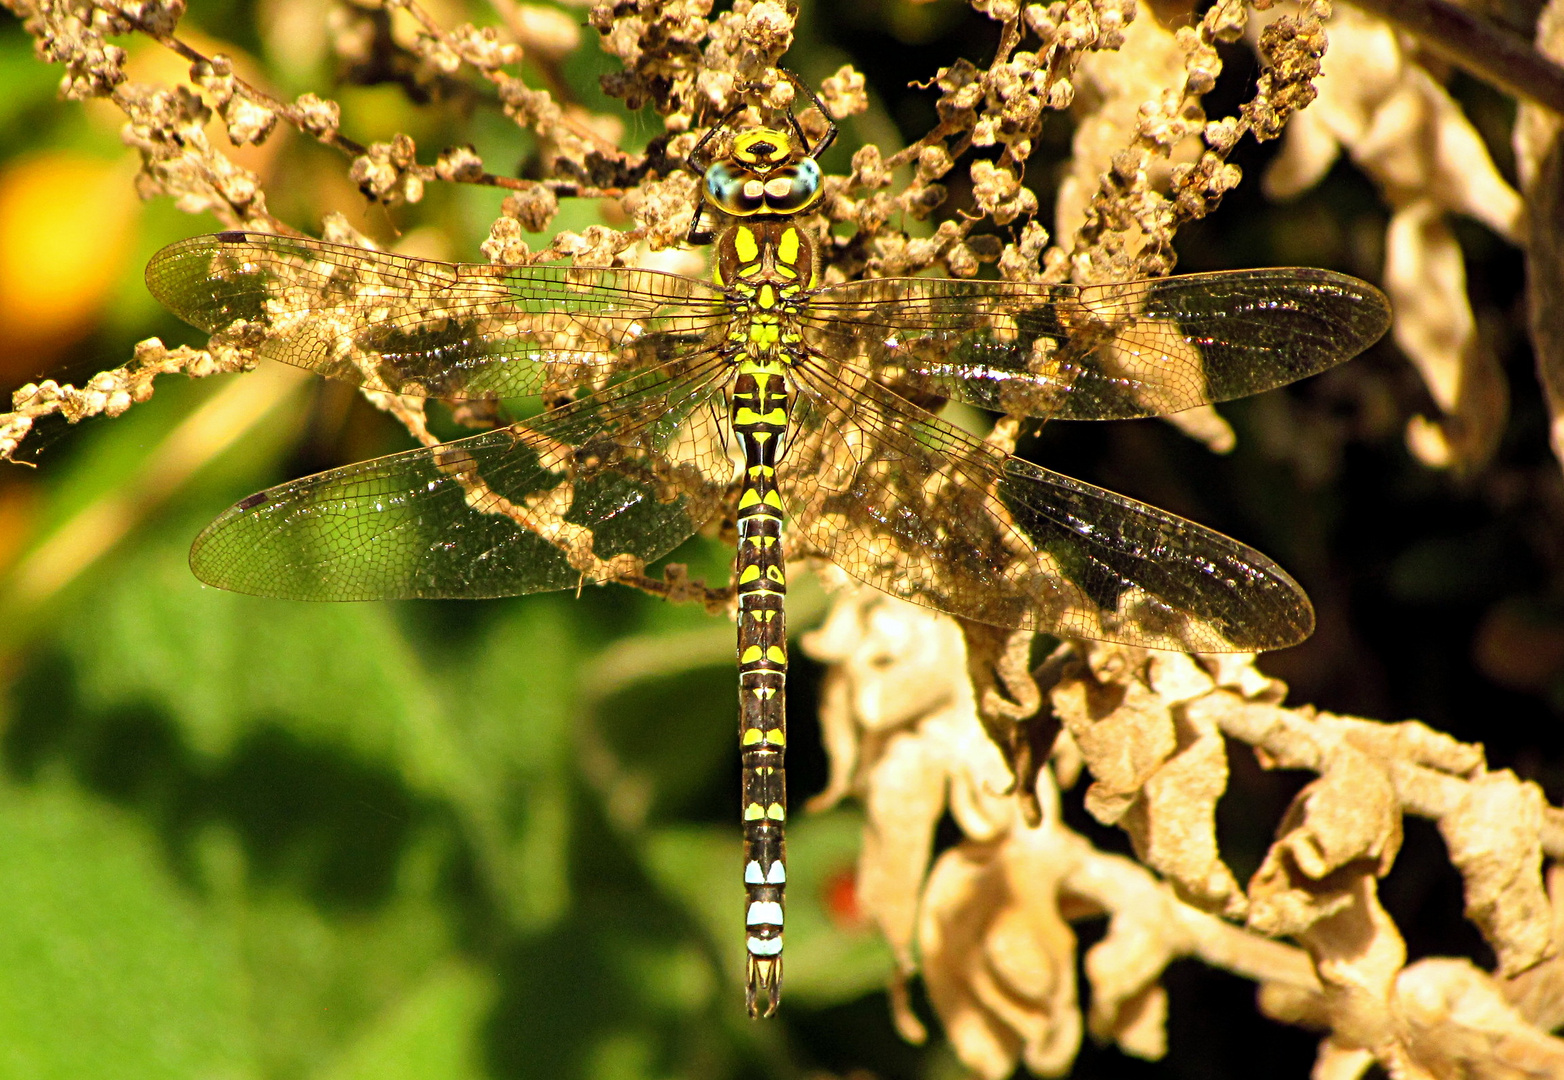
x=923 y=717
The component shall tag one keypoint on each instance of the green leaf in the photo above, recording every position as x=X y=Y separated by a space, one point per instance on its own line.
x=107 y=967
x=433 y=1034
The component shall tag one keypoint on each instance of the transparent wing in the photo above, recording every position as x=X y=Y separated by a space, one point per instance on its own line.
x=1105 y=352
x=583 y=493
x=905 y=502
x=432 y=329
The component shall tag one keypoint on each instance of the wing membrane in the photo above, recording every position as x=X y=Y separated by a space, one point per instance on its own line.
x=906 y=503
x=1106 y=352
x=432 y=329
x=596 y=488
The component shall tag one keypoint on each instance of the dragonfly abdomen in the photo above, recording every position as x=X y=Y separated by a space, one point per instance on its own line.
x=760 y=422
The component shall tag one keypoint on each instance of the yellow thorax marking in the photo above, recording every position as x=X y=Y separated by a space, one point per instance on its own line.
x=745 y=245
x=787 y=248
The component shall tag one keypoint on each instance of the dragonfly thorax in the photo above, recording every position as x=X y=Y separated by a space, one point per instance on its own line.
x=768 y=268
x=765 y=251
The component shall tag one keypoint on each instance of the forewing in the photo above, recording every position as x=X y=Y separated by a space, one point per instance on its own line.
x=583 y=493
x=1106 y=352
x=432 y=329
x=905 y=502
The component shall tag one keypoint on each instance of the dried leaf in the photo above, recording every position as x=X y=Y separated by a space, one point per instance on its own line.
x=1539 y=993
x=904 y=800
x=1539 y=158
x=1125 y=733
x=1174 y=824
x=1337 y=1062
x=1425 y=277
x=903 y=732
x=1405 y=131
x=999 y=958
x=1458 y=1024
x=1410 y=741
x=1357 y=953
x=1495 y=840
x=1236 y=672
x=1348 y=816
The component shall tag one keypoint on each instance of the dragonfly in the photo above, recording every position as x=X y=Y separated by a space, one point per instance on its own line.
x=805 y=412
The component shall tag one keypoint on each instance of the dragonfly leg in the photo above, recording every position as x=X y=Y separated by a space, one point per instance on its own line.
x=830 y=135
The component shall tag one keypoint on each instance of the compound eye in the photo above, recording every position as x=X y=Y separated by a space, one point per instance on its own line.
x=734 y=191
x=794 y=187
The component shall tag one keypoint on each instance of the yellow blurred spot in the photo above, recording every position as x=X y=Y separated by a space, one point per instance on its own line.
x=67 y=224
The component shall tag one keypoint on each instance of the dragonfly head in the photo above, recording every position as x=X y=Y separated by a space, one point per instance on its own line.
x=765 y=172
